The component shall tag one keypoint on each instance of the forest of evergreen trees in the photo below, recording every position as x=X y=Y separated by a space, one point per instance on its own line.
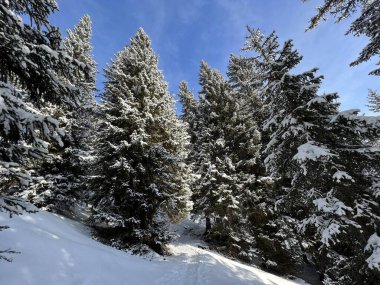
x=279 y=174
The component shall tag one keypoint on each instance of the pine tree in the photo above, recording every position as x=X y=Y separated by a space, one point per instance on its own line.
x=251 y=76
x=227 y=152
x=78 y=46
x=30 y=57
x=326 y=175
x=79 y=123
x=245 y=78
x=31 y=54
x=190 y=116
x=188 y=102
x=347 y=212
x=60 y=179
x=278 y=238
x=141 y=178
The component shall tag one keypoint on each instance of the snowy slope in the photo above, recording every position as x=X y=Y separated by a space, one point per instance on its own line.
x=56 y=250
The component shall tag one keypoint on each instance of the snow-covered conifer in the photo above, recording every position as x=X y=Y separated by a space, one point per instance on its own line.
x=140 y=175
x=78 y=45
x=60 y=179
x=246 y=79
x=30 y=56
x=188 y=102
x=326 y=174
x=190 y=115
x=228 y=153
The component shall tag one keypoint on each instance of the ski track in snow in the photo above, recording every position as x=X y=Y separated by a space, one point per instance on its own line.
x=59 y=251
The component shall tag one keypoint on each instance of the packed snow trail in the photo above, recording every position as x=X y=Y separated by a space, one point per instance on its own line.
x=58 y=251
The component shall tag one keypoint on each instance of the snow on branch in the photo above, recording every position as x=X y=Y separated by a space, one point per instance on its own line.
x=373 y=245
x=310 y=151
x=15 y=205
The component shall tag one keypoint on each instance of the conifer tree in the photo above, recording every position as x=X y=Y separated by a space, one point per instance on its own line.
x=60 y=179
x=278 y=236
x=191 y=116
x=30 y=56
x=367 y=24
x=326 y=174
x=78 y=46
x=141 y=178
x=245 y=78
x=249 y=75
x=188 y=102
x=214 y=94
x=228 y=153
x=79 y=122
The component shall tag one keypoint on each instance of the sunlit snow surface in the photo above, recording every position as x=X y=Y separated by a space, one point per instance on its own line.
x=56 y=250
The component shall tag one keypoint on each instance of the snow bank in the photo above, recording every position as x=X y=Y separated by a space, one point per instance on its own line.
x=56 y=250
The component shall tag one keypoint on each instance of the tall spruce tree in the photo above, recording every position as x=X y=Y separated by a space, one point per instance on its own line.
x=188 y=102
x=80 y=122
x=276 y=235
x=30 y=57
x=141 y=178
x=227 y=153
x=60 y=178
x=78 y=45
x=249 y=76
x=245 y=78
x=190 y=115
x=326 y=173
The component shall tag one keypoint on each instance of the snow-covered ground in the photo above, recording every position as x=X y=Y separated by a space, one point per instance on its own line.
x=56 y=250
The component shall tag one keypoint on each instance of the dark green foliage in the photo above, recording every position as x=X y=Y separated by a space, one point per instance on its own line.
x=31 y=55
x=30 y=59
x=60 y=180
x=141 y=179
x=324 y=171
x=226 y=150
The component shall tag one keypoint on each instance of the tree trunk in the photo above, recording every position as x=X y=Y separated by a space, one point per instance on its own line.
x=208 y=225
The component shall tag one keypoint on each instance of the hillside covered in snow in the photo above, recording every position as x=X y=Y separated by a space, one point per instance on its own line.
x=56 y=250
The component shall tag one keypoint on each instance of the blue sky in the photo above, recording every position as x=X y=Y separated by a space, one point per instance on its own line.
x=183 y=32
